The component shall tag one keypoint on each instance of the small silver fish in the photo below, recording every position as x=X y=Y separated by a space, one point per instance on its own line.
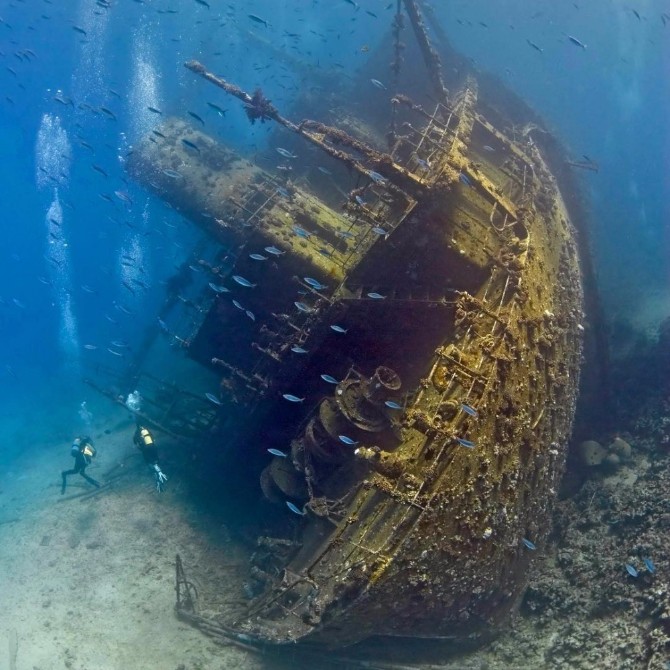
x=330 y=379
x=376 y=177
x=298 y=350
x=376 y=296
x=295 y=509
x=212 y=398
x=378 y=84
x=303 y=308
x=300 y=232
x=257 y=257
x=338 y=329
x=217 y=288
x=392 y=404
x=242 y=281
x=347 y=440
x=291 y=398
x=314 y=283
x=274 y=251
x=285 y=153
x=276 y=452
x=250 y=314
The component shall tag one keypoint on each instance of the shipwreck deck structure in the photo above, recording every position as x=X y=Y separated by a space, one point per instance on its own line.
x=422 y=343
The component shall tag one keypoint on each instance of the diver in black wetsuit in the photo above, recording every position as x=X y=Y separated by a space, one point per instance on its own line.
x=82 y=451
x=144 y=441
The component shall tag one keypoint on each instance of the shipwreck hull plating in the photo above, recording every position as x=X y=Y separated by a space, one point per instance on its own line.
x=452 y=272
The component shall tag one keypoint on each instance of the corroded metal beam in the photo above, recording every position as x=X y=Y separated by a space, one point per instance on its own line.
x=327 y=138
x=429 y=53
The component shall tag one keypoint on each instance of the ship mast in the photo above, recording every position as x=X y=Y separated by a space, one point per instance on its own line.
x=429 y=53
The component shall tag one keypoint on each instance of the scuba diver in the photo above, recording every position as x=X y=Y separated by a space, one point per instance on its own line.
x=82 y=451
x=144 y=441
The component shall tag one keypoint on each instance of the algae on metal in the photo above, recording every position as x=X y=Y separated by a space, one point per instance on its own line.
x=454 y=265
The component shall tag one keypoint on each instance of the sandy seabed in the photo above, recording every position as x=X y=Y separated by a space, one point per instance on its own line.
x=87 y=583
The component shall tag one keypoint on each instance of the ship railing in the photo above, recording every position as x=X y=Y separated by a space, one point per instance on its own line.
x=395 y=295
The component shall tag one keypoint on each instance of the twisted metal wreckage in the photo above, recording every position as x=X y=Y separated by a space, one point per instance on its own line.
x=424 y=480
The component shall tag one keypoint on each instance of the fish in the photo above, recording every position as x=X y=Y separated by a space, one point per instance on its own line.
x=116 y=353
x=347 y=440
x=330 y=379
x=79 y=30
x=376 y=296
x=242 y=281
x=218 y=288
x=303 y=307
x=190 y=145
x=470 y=410
x=345 y=235
x=204 y=3
x=276 y=452
x=338 y=329
x=314 y=283
x=649 y=564
x=109 y=113
x=465 y=443
x=534 y=46
x=376 y=177
x=631 y=570
x=465 y=179
x=237 y=304
x=219 y=110
x=423 y=163
x=489 y=148
x=158 y=133
x=250 y=314
x=196 y=117
x=378 y=84
x=285 y=153
x=295 y=509
x=173 y=174
x=353 y=4
x=324 y=170
x=258 y=19
x=392 y=404
x=212 y=398
x=291 y=398
x=283 y=192
x=97 y=168
x=155 y=110
x=528 y=544
x=120 y=344
x=377 y=230
x=123 y=197
x=298 y=350
x=257 y=257
x=274 y=251
x=577 y=42
x=90 y=347
x=359 y=200
x=300 y=232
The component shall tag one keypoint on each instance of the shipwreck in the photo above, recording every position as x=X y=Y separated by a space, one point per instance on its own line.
x=401 y=324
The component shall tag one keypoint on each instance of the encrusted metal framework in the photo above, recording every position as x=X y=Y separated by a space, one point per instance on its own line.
x=439 y=451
